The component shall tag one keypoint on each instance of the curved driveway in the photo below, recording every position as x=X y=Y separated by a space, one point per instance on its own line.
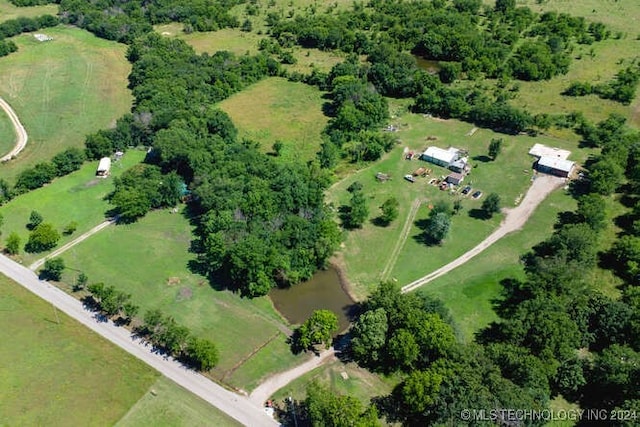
x=238 y=407
x=21 y=133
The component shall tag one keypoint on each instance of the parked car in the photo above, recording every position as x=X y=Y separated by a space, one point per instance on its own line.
x=477 y=194
x=410 y=178
x=466 y=190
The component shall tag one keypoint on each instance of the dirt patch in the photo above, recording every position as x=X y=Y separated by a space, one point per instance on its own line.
x=173 y=281
x=185 y=294
x=91 y=183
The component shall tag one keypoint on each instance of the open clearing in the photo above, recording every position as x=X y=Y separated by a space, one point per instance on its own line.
x=149 y=259
x=61 y=373
x=9 y=11
x=76 y=197
x=367 y=250
x=168 y=404
x=278 y=110
x=230 y=39
x=63 y=90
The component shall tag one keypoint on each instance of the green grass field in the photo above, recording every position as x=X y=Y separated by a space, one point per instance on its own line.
x=7 y=134
x=78 y=197
x=9 y=11
x=230 y=39
x=61 y=373
x=166 y=404
x=149 y=259
x=359 y=383
x=62 y=90
x=276 y=109
x=366 y=251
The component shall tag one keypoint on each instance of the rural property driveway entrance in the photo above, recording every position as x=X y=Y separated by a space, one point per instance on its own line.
x=238 y=407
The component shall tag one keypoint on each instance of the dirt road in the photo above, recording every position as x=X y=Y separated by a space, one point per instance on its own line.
x=238 y=407
x=514 y=219
x=21 y=133
x=276 y=382
x=72 y=243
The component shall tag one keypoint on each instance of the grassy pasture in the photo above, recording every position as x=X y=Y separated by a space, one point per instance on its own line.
x=7 y=134
x=62 y=90
x=149 y=259
x=366 y=251
x=61 y=373
x=276 y=109
x=9 y=11
x=78 y=197
x=231 y=39
x=168 y=404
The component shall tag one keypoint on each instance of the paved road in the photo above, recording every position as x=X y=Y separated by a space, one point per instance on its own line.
x=514 y=220
x=21 y=133
x=72 y=243
x=238 y=407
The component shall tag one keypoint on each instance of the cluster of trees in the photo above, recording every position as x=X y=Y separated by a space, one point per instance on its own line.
x=112 y=302
x=622 y=88
x=356 y=213
x=164 y=333
x=13 y=27
x=260 y=223
x=113 y=20
x=42 y=173
x=317 y=330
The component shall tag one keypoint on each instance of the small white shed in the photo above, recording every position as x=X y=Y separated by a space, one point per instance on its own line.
x=104 y=167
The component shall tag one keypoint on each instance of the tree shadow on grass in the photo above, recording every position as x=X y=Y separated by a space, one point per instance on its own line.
x=380 y=222
x=482 y=158
x=479 y=214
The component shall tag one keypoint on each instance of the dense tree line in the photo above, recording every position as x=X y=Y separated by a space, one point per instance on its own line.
x=260 y=223
x=42 y=173
x=124 y=22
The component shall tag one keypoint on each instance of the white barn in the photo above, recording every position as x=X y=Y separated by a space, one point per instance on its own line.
x=440 y=156
x=104 y=167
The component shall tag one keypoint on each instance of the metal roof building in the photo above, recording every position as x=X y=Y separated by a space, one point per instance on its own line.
x=440 y=156
x=555 y=166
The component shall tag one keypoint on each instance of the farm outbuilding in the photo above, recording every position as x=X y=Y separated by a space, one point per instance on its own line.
x=455 y=178
x=440 y=156
x=460 y=165
x=554 y=166
x=552 y=161
x=104 y=167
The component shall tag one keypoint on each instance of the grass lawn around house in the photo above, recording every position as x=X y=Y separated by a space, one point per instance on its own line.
x=61 y=373
x=149 y=259
x=359 y=382
x=168 y=404
x=275 y=109
x=63 y=90
x=79 y=197
x=9 y=11
x=366 y=251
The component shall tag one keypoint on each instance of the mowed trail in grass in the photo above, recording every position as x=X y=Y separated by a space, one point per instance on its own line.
x=63 y=90
x=9 y=11
x=54 y=371
x=150 y=259
x=78 y=197
x=366 y=251
x=279 y=110
x=168 y=404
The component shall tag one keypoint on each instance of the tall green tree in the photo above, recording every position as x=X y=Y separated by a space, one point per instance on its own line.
x=491 y=205
x=389 y=210
x=358 y=210
x=317 y=330
x=13 y=243
x=369 y=335
x=42 y=238
x=53 y=269
x=438 y=227
x=495 y=147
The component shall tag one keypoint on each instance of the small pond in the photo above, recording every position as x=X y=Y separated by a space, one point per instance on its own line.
x=323 y=291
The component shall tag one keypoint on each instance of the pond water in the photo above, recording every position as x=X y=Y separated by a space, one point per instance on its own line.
x=429 y=65
x=323 y=291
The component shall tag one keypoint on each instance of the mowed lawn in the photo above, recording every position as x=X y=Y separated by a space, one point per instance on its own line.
x=9 y=11
x=78 y=197
x=63 y=90
x=368 y=250
x=61 y=373
x=168 y=404
x=468 y=291
x=150 y=259
x=279 y=110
